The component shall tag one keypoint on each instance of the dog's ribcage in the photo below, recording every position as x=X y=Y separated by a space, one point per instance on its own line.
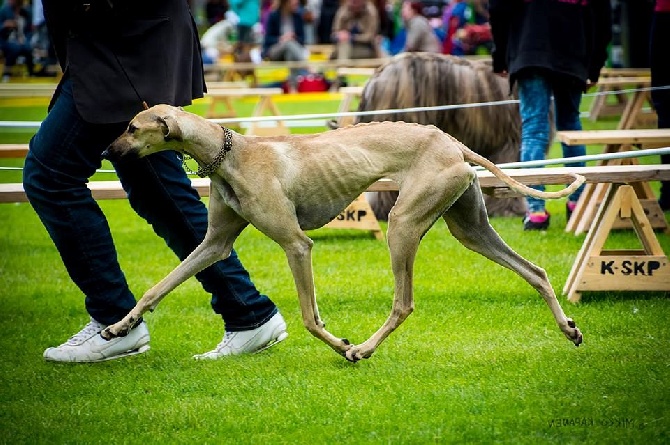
x=322 y=174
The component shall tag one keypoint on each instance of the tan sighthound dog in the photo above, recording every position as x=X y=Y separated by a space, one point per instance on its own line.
x=285 y=185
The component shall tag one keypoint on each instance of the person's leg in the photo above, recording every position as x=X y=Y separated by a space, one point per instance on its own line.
x=284 y=51
x=567 y=97
x=63 y=154
x=344 y=50
x=294 y=52
x=27 y=52
x=10 y=51
x=161 y=193
x=535 y=99
x=363 y=52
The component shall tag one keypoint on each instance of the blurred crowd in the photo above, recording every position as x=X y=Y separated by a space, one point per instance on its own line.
x=24 y=39
x=281 y=30
x=357 y=28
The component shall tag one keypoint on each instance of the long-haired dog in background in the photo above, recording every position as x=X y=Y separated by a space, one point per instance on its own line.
x=424 y=80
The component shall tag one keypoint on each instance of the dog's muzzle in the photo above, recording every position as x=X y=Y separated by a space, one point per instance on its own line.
x=113 y=153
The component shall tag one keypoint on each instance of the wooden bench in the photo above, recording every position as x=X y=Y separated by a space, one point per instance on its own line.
x=599 y=269
x=217 y=85
x=615 y=141
x=594 y=269
x=348 y=96
x=13 y=192
x=353 y=71
x=11 y=90
x=265 y=104
x=600 y=106
x=230 y=71
x=630 y=108
x=321 y=51
x=624 y=72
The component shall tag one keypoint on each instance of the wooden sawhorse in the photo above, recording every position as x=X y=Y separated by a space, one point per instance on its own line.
x=615 y=141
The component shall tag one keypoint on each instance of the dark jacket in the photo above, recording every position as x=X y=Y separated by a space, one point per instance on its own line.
x=119 y=53
x=273 y=29
x=564 y=37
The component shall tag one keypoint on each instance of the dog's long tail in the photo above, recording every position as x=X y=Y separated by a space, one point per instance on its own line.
x=515 y=185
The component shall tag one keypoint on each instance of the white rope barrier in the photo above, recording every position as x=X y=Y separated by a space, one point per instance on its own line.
x=303 y=117
x=294 y=117
x=528 y=164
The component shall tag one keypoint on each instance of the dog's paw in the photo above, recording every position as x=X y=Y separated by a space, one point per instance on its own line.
x=573 y=333
x=356 y=353
x=353 y=355
x=114 y=331
x=107 y=334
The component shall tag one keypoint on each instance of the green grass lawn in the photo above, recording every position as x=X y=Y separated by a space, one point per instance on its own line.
x=480 y=360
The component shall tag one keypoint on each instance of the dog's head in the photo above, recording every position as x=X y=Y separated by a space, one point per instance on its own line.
x=150 y=131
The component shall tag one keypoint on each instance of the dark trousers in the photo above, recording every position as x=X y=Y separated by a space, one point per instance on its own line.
x=63 y=155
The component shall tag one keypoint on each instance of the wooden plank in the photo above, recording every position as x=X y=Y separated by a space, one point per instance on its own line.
x=624 y=81
x=598 y=269
x=321 y=49
x=356 y=71
x=358 y=215
x=595 y=174
x=243 y=92
x=613 y=80
x=348 y=95
x=632 y=136
x=215 y=85
x=8 y=90
x=101 y=190
x=308 y=64
x=13 y=150
x=352 y=91
x=615 y=141
x=625 y=272
x=559 y=175
x=626 y=72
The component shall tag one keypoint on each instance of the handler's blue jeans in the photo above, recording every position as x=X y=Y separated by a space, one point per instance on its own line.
x=63 y=155
x=535 y=91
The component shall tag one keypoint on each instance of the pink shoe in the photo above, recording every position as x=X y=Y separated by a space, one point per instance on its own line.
x=536 y=221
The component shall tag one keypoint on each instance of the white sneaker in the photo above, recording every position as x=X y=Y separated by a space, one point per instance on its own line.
x=248 y=342
x=88 y=345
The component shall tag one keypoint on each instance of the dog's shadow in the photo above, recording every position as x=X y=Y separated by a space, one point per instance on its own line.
x=597 y=297
x=332 y=236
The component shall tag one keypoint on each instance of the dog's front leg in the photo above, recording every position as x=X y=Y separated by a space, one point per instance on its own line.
x=299 y=254
x=224 y=225
x=204 y=255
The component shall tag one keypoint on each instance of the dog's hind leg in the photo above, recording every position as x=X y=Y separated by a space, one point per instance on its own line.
x=468 y=222
x=284 y=229
x=224 y=225
x=419 y=205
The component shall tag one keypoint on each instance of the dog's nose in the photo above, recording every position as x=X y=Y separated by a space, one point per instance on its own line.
x=110 y=154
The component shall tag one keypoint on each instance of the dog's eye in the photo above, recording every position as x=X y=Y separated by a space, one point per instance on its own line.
x=131 y=129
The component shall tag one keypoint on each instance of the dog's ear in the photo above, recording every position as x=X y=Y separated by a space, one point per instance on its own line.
x=171 y=130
